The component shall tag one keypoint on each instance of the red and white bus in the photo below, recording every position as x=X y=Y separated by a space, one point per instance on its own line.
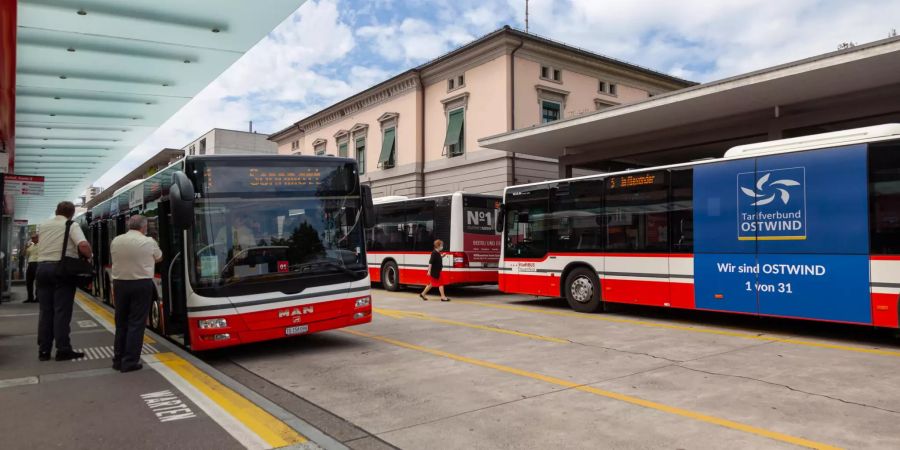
x=804 y=228
x=400 y=244
x=254 y=247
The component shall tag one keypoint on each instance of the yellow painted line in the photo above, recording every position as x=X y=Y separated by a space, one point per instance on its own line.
x=86 y=302
x=273 y=431
x=604 y=393
x=645 y=323
x=399 y=314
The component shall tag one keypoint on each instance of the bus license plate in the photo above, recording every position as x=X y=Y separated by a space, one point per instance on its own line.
x=299 y=329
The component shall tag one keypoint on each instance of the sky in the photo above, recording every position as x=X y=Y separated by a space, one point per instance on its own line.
x=328 y=50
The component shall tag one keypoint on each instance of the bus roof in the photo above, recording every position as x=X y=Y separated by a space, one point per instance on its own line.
x=817 y=141
x=402 y=198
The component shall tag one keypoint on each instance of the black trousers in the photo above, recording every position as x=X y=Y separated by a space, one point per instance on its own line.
x=56 y=299
x=30 y=273
x=133 y=300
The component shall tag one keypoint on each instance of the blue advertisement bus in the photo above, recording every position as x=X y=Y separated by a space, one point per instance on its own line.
x=804 y=228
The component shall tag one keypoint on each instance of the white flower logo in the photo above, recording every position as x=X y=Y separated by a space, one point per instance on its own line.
x=764 y=198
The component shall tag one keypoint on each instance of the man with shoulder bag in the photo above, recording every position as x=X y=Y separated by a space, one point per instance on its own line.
x=63 y=257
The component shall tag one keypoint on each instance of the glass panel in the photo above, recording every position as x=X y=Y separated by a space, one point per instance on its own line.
x=884 y=179
x=637 y=213
x=576 y=223
x=682 y=211
x=549 y=111
x=253 y=228
x=526 y=224
x=454 y=127
x=342 y=149
x=361 y=155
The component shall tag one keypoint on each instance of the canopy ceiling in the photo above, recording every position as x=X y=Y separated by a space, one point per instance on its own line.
x=96 y=77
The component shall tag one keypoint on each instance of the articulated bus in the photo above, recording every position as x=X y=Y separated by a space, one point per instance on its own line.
x=804 y=228
x=399 y=245
x=254 y=248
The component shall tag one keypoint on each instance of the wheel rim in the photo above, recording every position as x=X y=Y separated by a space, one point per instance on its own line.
x=154 y=315
x=582 y=289
x=391 y=276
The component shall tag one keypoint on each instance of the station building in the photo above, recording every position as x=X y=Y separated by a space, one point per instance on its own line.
x=841 y=90
x=418 y=133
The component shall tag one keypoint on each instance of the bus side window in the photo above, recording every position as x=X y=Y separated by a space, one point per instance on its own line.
x=681 y=210
x=577 y=217
x=637 y=213
x=884 y=202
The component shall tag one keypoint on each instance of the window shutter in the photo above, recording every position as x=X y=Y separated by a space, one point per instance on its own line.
x=342 y=150
x=454 y=127
x=387 y=148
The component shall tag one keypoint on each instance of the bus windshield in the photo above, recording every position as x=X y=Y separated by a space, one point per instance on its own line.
x=272 y=223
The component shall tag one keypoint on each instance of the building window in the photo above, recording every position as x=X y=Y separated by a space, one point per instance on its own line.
x=550 y=111
x=319 y=148
x=388 y=148
x=607 y=88
x=551 y=74
x=456 y=82
x=191 y=150
x=361 y=154
x=454 y=143
x=295 y=145
x=202 y=146
x=388 y=156
x=342 y=149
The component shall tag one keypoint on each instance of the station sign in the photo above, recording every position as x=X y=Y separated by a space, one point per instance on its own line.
x=23 y=184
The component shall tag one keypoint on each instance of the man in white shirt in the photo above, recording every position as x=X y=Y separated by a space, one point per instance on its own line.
x=31 y=254
x=134 y=255
x=57 y=295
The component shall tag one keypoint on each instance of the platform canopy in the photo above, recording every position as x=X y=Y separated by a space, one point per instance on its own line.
x=95 y=77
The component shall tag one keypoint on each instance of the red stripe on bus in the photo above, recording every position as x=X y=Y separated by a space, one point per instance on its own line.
x=600 y=255
x=373 y=252
x=884 y=257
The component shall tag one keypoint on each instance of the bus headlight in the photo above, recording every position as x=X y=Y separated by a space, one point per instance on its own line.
x=206 y=324
x=363 y=302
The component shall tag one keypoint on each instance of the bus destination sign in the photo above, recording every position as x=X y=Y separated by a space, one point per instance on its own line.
x=284 y=178
x=629 y=181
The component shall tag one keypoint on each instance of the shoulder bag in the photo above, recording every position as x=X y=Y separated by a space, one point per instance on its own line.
x=77 y=270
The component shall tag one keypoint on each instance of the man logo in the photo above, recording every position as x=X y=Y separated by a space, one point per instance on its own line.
x=289 y=312
x=762 y=191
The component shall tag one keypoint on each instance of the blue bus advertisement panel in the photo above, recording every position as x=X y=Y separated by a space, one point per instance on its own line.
x=784 y=235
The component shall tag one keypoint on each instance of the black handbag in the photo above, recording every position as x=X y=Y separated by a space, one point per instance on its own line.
x=77 y=271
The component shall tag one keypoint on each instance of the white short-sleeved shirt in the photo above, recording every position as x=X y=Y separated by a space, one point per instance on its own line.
x=50 y=235
x=133 y=256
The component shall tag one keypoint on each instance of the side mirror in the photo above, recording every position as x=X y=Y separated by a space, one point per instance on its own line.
x=501 y=218
x=181 y=200
x=367 y=206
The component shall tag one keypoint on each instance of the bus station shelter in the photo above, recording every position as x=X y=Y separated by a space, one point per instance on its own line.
x=841 y=90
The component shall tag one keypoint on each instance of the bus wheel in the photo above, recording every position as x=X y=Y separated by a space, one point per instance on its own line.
x=583 y=290
x=390 y=276
x=155 y=315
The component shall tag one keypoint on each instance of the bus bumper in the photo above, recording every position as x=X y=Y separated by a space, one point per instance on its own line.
x=282 y=322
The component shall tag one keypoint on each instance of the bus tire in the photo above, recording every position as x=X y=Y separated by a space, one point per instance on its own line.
x=390 y=276
x=583 y=290
x=156 y=316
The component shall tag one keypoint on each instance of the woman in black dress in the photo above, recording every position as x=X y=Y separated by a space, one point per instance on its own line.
x=435 y=266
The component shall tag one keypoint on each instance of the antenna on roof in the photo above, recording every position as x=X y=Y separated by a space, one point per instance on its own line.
x=526 y=16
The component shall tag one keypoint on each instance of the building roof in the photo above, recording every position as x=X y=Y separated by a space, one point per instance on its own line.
x=828 y=75
x=163 y=157
x=505 y=31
